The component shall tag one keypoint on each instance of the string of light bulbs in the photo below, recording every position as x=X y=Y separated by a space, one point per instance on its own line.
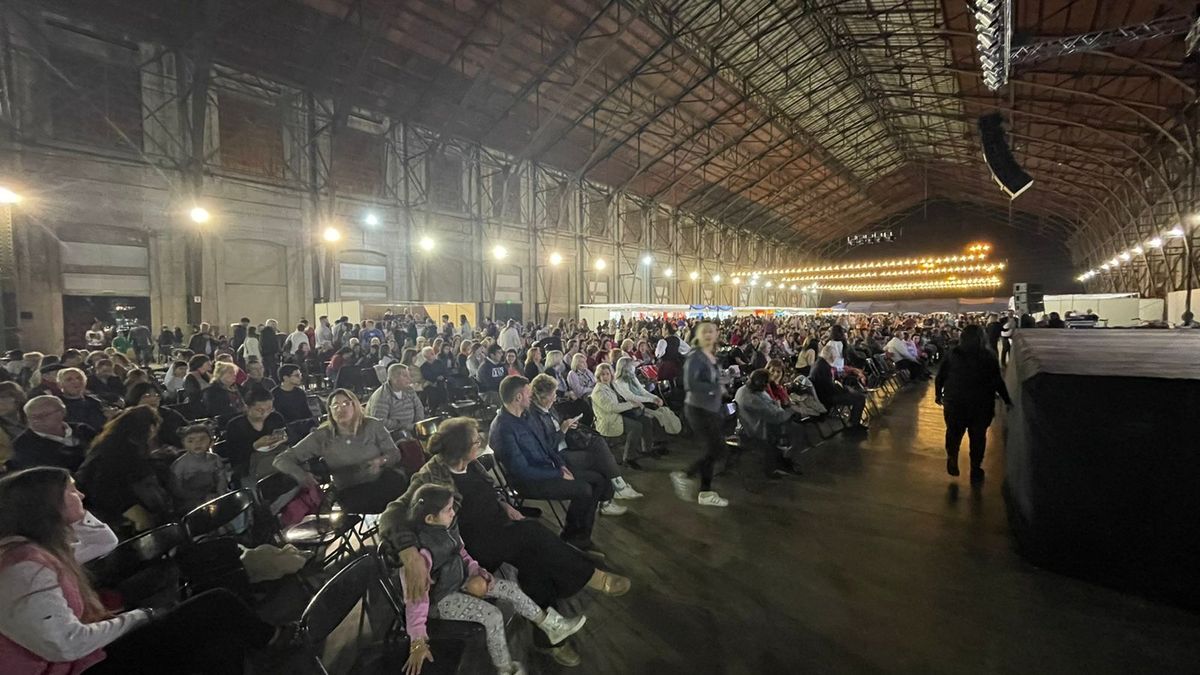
x=971 y=282
x=920 y=271
x=1126 y=256
x=974 y=253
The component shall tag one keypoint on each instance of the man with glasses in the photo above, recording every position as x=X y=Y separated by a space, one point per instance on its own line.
x=50 y=440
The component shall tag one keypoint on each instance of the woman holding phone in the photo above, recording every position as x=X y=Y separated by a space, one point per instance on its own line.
x=253 y=440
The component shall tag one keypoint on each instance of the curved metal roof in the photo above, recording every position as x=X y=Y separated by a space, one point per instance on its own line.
x=804 y=120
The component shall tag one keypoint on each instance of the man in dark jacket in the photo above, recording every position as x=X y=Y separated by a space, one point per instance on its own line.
x=82 y=407
x=239 y=333
x=268 y=340
x=201 y=341
x=50 y=440
x=966 y=386
x=538 y=471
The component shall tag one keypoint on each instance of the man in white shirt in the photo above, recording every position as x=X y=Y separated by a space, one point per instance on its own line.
x=510 y=337
x=293 y=342
x=324 y=334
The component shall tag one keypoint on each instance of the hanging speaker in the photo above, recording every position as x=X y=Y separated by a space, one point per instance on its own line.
x=1007 y=173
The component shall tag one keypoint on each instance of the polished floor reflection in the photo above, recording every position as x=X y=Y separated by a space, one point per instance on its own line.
x=874 y=561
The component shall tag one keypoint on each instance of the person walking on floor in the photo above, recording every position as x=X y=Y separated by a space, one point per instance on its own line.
x=966 y=387
x=702 y=381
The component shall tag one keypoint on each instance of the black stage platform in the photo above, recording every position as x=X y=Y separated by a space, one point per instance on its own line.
x=1104 y=456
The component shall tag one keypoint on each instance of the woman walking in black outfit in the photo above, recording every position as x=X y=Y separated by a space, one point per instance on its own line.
x=966 y=386
x=702 y=380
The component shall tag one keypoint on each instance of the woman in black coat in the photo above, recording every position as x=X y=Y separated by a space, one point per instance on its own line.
x=967 y=384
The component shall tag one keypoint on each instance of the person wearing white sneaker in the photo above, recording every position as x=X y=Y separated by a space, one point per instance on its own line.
x=581 y=449
x=459 y=584
x=625 y=490
x=611 y=508
x=705 y=386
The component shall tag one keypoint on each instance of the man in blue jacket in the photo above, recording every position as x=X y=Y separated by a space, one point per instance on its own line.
x=538 y=471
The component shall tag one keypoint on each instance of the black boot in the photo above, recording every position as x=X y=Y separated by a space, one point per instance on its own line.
x=976 y=475
x=952 y=465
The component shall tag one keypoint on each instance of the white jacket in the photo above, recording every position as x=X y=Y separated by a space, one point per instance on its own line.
x=608 y=409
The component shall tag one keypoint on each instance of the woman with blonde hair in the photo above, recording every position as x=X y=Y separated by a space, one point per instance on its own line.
x=631 y=389
x=222 y=399
x=616 y=416
x=362 y=459
x=580 y=379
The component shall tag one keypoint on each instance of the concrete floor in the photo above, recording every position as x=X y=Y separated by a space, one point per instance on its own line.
x=874 y=561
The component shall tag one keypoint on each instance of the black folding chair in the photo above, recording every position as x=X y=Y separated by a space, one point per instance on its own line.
x=426 y=428
x=138 y=567
x=211 y=517
x=316 y=532
x=334 y=602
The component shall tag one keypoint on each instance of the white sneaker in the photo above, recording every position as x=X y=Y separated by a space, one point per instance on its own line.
x=558 y=628
x=684 y=487
x=612 y=509
x=627 y=492
x=513 y=668
x=711 y=498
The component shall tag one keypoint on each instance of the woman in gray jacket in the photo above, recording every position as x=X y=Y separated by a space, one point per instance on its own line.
x=702 y=380
x=760 y=420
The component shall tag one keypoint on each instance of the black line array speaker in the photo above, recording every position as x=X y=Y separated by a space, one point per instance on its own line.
x=1028 y=298
x=1007 y=173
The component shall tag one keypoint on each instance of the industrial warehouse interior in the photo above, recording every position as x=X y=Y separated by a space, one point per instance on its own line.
x=599 y=336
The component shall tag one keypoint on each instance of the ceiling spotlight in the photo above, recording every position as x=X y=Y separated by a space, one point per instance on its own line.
x=1137 y=250
x=198 y=214
x=793 y=287
x=555 y=259
x=1176 y=231
x=499 y=252
x=668 y=272
x=693 y=275
x=1105 y=267
x=1114 y=262
x=647 y=259
x=332 y=234
x=754 y=282
x=1125 y=256
x=426 y=244
x=769 y=284
x=716 y=278
x=737 y=281
x=1155 y=242
x=371 y=219
x=7 y=196
x=600 y=264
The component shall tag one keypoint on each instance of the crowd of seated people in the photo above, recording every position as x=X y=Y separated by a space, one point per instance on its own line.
x=567 y=410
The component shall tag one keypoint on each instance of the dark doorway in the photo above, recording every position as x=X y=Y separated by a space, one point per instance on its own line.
x=506 y=311
x=116 y=313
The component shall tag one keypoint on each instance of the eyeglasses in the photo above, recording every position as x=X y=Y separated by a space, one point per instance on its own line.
x=339 y=405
